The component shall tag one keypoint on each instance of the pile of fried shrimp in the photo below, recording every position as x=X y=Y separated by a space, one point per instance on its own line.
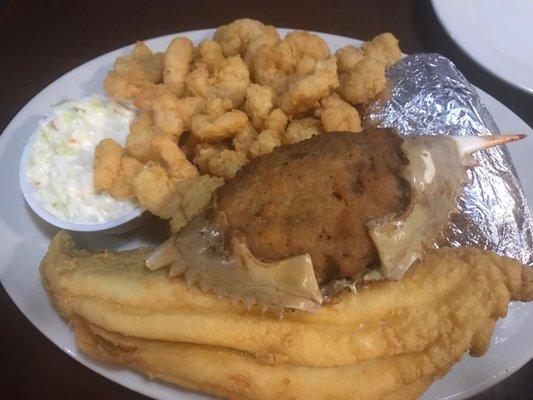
x=205 y=111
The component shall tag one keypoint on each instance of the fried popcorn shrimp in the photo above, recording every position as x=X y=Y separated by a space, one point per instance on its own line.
x=215 y=128
x=122 y=187
x=217 y=106
x=265 y=143
x=274 y=65
x=269 y=38
x=153 y=188
x=301 y=129
x=364 y=81
x=133 y=72
x=259 y=102
x=235 y=37
x=178 y=167
x=277 y=120
x=227 y=80
x=308 y=44
x=209 y=52
x=178 y=56
x=383 y=47
x=188 y=107
x=170 y=114
x=219 y=161
x=347 y=57
x=138 y=142
x=305 y=93
x=179 y=201
x=107 y=164
x=337 y=115
x=244 y=139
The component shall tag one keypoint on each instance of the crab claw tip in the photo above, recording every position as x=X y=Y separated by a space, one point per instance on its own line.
x=470 y=144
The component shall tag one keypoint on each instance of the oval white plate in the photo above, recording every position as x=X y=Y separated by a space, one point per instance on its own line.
x=25 y=237
x=496 y=34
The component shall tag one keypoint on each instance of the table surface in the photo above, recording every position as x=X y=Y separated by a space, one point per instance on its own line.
x=42 y=40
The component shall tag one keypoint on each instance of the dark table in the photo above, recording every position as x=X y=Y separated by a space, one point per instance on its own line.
x=42 y=40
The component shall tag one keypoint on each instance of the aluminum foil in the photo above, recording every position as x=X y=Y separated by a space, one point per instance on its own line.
x=429 y=96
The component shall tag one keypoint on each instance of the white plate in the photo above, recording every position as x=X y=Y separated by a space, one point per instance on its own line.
x=497 y=34
x=24 y=239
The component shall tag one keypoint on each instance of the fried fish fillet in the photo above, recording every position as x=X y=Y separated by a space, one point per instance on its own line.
x=401 y=335
x=317 y=197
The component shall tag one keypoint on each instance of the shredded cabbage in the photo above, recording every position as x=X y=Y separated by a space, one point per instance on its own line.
x=60 y=165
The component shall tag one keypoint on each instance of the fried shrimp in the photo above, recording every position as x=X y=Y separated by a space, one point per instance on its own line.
x=131 y=73
x=306 y=92
x=347 y=57
x=337 y=115
x=227 y=79
x=178 y=56
x=275 y=65
x=365 y=80
x=301 y=129
x=266 y=141
x=107 y=160
x=383 y=47
x=215 y=128
x=219 y=161
x=259 y=102
x=235 y=37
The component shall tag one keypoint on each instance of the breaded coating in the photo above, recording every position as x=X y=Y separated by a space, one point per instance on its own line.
x=244 y=139
x=275 y=66
x=209 y=53
x=219 y=161
x=179 y=201
x=301 y=129
x=363 y=82
x=383 y=47
x=227 y=80
x=277 y=120
x=152 y=188
x=178 y=56
x=259 y=102
x=107 y=164
x=188 y=107
x=266 y=141
x=347 y=57
x=138 y=142
x=269 y=38
x=214 y=128
x=317 y=197
x=235 y=37
x=133 y=72
x=177 y=165
x=339 y=116
x=308 y=44
x=163 y=104
x=306 y=92
x=390 y=340
x=122 y=187
x=216 y=106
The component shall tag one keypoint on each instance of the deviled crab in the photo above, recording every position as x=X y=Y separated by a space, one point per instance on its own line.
x=330 y=212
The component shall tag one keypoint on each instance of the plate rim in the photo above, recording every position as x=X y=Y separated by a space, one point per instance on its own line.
x=440 y=7
x=106 y=372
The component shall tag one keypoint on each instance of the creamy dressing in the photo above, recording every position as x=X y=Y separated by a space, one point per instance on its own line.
x=60 y=164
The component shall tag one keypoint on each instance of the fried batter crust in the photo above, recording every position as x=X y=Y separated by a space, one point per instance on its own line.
x=316 y=197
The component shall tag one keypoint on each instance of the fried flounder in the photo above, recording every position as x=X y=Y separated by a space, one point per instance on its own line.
x=389 y=340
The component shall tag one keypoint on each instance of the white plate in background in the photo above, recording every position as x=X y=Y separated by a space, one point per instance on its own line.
x=497 y=34
x=24 y=238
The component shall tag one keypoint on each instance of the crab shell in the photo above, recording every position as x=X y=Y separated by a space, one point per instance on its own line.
x=436 y=173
